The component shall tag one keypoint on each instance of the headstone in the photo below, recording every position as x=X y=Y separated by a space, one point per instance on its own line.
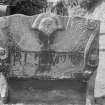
x=49 y=45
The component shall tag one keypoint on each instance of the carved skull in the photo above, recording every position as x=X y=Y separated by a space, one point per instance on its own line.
x=47 y=25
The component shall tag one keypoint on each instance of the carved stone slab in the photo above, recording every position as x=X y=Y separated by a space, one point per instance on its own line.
x=49 y=45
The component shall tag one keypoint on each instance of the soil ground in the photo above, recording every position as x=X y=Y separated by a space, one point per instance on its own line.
x=60 y=92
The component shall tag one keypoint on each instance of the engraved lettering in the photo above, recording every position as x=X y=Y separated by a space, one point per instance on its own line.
x=14 y=59
x=63 y=58
x=55 y=59
x=25 y=57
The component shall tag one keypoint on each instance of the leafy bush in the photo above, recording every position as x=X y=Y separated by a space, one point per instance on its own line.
x=27 y=7
x=89 y=4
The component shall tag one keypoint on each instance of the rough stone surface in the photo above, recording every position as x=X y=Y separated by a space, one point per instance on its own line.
x=99 y=14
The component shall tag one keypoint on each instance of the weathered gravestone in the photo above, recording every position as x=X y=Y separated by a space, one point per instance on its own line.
x=49 y=46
